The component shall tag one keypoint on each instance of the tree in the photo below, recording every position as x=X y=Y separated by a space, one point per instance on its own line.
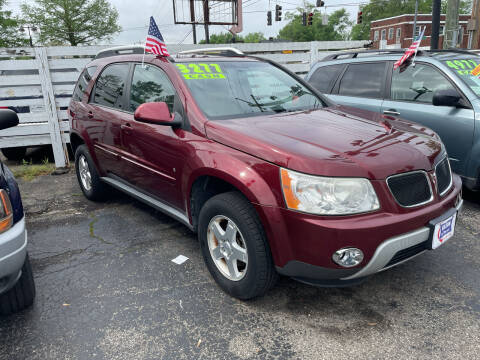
x=9 y=29
x=335 y=29
x=72 y=21
x=227 y=38
x=380 y=9
x=254 y=37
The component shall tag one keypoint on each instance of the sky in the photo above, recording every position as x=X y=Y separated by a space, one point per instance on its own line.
x=134 y=17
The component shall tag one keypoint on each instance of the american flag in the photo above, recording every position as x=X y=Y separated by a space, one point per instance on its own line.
x=412 y=50
x=155 y=43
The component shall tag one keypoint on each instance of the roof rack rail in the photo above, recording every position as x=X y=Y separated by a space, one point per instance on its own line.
x=120 y=50
x=220 y=51
x=366 y=53
x=355 y=54
x=454 y=50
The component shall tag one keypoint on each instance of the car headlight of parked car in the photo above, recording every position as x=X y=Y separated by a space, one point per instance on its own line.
x=328 y=195
x=6 y=213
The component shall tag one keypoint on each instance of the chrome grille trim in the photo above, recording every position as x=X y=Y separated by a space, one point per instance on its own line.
x=408 y=173
x=451 y=176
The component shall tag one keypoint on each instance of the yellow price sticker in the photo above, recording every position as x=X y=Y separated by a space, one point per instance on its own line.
x=199 y=71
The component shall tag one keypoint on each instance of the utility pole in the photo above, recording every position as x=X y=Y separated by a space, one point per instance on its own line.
x=415 y=20
x=436 y=9
x=473 y=26
x=450 y=38
x=206 y=19
x=192 y=18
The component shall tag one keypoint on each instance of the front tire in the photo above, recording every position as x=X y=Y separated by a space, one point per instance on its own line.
x=88 y=178
x=234 y=246
x=21 y=295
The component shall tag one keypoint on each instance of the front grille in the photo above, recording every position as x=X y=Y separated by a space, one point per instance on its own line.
x=407 y=253
x=410 y=189
x=444 y=176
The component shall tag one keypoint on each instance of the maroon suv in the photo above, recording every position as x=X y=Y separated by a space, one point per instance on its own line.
x=272 y=177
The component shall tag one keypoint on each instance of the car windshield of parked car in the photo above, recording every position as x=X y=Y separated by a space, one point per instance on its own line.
x=464 y=68
x=232 y=89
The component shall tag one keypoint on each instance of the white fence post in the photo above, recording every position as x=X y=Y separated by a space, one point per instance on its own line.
x=313 y=52
x=59 y=149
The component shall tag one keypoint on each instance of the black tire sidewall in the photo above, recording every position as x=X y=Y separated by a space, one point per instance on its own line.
x=245 y=288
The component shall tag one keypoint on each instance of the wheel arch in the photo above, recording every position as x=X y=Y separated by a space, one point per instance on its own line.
x=208 y=182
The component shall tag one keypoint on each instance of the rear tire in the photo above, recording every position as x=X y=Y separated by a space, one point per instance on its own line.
x=92 y=187
x=21 y=295
x=15 y=153
x=252 y=273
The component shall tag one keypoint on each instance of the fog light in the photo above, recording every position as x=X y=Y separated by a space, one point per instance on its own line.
x=348 y=257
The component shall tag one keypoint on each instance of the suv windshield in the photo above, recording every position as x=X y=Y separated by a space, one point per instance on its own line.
x=463 y=68
x=228 y=89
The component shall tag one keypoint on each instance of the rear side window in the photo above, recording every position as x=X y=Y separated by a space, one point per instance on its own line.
x=110 y=86
x=363 y=80
x=324 y=77
x=82 y=83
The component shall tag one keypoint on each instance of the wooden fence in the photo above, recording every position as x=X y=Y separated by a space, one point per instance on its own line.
x=40 y=81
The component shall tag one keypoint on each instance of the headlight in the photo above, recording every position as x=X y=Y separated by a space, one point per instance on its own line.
x=6 y=213
x=328 y=195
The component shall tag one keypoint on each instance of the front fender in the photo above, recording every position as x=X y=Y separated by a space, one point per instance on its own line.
x=257 y=180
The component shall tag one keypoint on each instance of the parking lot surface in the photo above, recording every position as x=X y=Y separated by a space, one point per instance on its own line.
x=107 y=289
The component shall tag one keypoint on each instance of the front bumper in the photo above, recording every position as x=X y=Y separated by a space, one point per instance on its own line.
x=410 y=244
x=13 y=250
x=302 y=244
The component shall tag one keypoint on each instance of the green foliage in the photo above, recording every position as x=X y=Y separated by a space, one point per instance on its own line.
x=72 y=22
x=254 y=37
x=380 y=9
x=10 y=35
x=226 y=38
x=336 y=28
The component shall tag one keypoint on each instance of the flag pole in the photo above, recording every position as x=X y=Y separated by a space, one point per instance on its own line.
x=143 y=57
x=420 y=35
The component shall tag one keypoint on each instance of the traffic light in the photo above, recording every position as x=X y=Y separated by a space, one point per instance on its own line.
x=304 y=19
x=359 y=17
x=310 y=19
x=278 y=13
x=320 y=3
x=269 y=18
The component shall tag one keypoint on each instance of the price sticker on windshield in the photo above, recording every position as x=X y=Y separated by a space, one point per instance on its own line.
x=463 y=67
x=201 y=71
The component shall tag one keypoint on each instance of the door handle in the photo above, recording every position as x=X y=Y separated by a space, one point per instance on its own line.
x=391 y=112
x=127 y=128
x=90 y=115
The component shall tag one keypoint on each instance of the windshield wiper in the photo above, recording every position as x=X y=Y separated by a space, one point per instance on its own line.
x=252 y=103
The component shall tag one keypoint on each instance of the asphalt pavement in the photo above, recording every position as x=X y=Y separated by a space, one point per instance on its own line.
x=107 y=289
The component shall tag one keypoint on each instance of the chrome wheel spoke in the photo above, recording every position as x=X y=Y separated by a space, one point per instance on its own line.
x=217 y=231
x=239 y=253
x=231 y=233
x=232 y=268
x=216 y=253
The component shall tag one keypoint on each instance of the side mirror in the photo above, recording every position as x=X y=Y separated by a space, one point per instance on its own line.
x=157 y=113
x=8 y=119
x=448 y=97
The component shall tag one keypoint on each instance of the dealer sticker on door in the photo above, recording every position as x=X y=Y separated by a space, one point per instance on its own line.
x=443 y=231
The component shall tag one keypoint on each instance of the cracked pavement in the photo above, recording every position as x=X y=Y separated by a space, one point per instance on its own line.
x=107 y=289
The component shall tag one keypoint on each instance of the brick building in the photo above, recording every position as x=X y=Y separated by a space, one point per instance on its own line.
x=396 y=31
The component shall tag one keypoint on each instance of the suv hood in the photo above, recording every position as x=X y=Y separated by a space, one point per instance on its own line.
x=335 y=141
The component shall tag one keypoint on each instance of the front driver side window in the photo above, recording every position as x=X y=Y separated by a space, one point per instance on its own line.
x=150 y=84
x=418 y=83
